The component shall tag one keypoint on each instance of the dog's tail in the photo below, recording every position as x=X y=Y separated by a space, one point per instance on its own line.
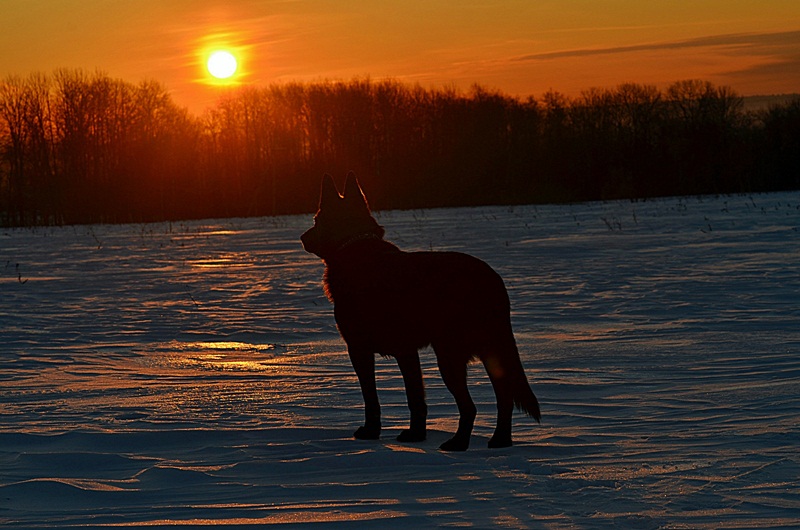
x=524 y=398
x=508 y=376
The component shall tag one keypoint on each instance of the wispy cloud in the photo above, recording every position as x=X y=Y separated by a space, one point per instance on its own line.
x=781 y=73
x=753 y=41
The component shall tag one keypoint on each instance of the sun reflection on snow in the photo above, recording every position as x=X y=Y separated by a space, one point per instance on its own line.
x=217 y=263
x=227 y=356
x=231 y=345
x=291 y=517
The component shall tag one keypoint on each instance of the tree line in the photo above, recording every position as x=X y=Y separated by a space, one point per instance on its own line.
x=78 y=147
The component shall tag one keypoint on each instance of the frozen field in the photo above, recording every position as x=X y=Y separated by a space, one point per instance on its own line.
x=191 y=373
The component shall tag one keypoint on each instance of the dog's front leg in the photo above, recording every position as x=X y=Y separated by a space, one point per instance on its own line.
x=415 y=394
x=364 y=365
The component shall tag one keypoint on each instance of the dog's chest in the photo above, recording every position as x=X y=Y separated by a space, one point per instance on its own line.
x=376 y=283
x=377 y=300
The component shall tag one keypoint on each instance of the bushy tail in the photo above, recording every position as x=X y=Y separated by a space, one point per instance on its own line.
x=508 y=376
x=524 y=398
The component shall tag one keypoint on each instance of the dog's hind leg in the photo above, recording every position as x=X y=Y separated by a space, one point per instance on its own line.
x=415 y=394
x=364 y=366
x=454 y=374
x=510 y=388
x=502 y=385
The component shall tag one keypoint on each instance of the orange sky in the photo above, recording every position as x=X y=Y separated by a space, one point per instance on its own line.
x=522 y=47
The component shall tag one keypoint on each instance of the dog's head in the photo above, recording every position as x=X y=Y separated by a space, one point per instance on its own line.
x=340 y=220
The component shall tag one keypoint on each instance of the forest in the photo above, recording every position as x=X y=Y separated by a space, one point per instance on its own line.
x=82 y=147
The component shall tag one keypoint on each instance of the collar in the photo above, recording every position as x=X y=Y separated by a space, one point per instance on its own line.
x=356 y=238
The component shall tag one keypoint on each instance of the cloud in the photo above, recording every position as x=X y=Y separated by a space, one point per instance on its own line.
x=781 y=74
x=757 y=42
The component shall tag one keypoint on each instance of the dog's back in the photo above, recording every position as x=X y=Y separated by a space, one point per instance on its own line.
x=396 y=299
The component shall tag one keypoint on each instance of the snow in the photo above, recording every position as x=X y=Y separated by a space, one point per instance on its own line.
x=191 y=373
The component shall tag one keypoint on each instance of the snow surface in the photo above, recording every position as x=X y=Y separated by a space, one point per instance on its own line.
x=191 y=373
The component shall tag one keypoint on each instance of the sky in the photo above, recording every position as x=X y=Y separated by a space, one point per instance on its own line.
x=520 y=47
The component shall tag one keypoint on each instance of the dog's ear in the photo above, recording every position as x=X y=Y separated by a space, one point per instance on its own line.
x=352 y=191
x=328 y=193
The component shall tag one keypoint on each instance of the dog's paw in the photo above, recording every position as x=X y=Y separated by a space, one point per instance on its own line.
x=368 y=432
x=455 y=443
x=497 y=442
x=412 y=435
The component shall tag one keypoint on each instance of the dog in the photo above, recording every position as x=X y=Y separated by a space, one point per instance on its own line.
x=390 y=302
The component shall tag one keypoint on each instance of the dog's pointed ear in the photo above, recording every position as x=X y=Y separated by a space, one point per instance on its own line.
x=352 y=191
x=328 y=193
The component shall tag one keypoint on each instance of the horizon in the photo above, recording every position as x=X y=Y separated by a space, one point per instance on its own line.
x=517 y=48
x=751 y=102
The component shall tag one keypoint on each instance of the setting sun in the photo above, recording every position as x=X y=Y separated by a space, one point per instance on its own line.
x=222 y=64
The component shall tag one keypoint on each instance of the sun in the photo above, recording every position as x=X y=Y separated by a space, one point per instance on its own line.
x=222 y=64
